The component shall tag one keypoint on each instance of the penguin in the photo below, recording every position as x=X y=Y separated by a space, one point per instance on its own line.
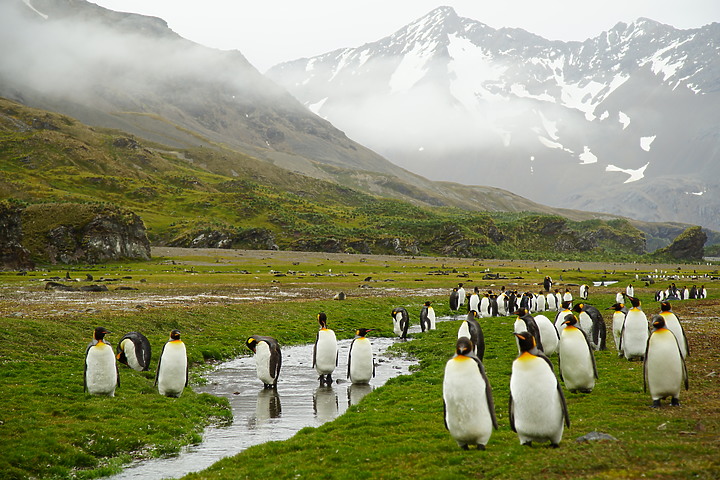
x=474 y=300
x=100 y=375
x=537 y=408
x=672 y=322
x=502 y=300
x=427 y=317
x=567 y=296
x=551 y=302
x=526 y=323
x=597 y=332
x=454 y=299
x=171 y=377
x=461 y=295
x=361 y=364
x=268 y=359
x=664 y=370
x=401 y=321
x=540 y=302
x=634 y=336
x=584 y=291
x=619 y=297
x=484 y=308
x=468 y=406
x=493 y=308
x=470 y=328
x=134 y=351
x=558 y=298
x=618 y=318
x=548 y=334
x=576 y=361
x=325 y=351
x=560 y=317
x=630 y=290
x=547 y=283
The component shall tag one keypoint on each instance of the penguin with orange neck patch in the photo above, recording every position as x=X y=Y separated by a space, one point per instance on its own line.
x=537 y=408
x=664 y=370
x=100 y=375
x=172 y=371
x=325 y=352
x=576 y=360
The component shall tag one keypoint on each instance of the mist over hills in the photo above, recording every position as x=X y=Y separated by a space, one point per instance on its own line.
x=132 y=73
x=625 y=123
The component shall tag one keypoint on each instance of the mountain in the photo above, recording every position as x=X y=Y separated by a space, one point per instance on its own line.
x=625 y=123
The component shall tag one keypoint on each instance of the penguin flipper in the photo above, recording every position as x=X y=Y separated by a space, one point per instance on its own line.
x=563 y=403
x=511 y=413
x=117 y=375
x=488 y=393
x=157 y=373
x=350 y=358
x=315 y=349
x=445 y=415
x=645 y=363
x=686 y=381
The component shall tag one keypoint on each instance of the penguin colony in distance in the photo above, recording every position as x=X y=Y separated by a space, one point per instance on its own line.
x=268 y=359
x=325 y=351
x=664 y=369
x=172 y=372
x=576 y=361
x=134 y=351
x=361 y=365
x=401 y=321
x=469 y=410
x=537 y=408
x=101 y=372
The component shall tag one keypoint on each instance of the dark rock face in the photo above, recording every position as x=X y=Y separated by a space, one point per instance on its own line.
x=13 y=256
x=689 y=245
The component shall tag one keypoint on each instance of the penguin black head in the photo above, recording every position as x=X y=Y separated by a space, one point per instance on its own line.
x=520 y=312
x=361 y=332
x=472 y=314
x=658 y=322
x=322 y=319
x=460 y=285
x=570 y=319
x=427 y=304
x=634 y=301
x=526 y=341
x=251 y=343
x=665 y=306
x=566 y=304
x=578 y=307
x=175 y=334
x=100 y=333
x=464 y=346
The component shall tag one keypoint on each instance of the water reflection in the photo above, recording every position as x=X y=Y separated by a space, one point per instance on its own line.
x=357 y=391
x=268 y=406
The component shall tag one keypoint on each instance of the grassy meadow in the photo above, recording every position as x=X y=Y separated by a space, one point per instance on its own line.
x=49 y=428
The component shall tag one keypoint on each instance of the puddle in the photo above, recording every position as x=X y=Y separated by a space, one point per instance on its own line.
x=261 y=415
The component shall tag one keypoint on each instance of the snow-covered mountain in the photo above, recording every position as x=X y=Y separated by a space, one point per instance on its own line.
x=626 y=123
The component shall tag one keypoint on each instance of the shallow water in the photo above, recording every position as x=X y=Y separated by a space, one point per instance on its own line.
x=261 y=415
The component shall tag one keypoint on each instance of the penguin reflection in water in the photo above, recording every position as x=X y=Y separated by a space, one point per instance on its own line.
x=325 y=351
x=100 y=373
x=172 y=371
x=134 y=351
x=664 y=368
x=537 y=407
x=469 y=410
x=268 y=359
x=361 y=365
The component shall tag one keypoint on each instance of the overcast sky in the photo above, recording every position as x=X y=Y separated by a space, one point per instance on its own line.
x=268 y=32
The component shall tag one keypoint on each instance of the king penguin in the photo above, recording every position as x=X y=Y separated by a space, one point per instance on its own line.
x=563 y=310
x=576 y=361
x=672 y=322
x=461 y=295
x=427 y=317
x=618 y=318
x=401 y=321
x=597 y=331
x=100 y=373
x=325 y=351
x=548 y=334
x=454 y=299
x=634 y=336
x=268 y=359
x=172 y=371
x=537 y=407
x=361 y=365
x=467 y=398
x=526 y=323
x=664 y=368
x=134 y=351
x=470 y=328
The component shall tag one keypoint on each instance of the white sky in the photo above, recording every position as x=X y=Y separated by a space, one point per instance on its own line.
x=269 y=32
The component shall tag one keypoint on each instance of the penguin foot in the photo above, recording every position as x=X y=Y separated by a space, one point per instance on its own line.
x=554 y=445
x=464 y=447
x=527 y=444
x=675 y=402
x=480 y=446
x=655 y=404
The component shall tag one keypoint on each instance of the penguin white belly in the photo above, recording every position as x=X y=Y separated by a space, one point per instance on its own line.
x=548 y=334
x=673 y=324
x=540 y=303
x=635 y=334
x=326 y=352
x=464 y=330
x=361 y=361
x=101 y=373
x=474 y=303
x=397 y=326
x=461 y=296
x=551 y=302
x=431 y=317
x=537 y=409
x=576 y=361
x=172 y=375
x=617 y=323
x=560 y=318
x=585 y=323
x=484 y=307
x=128 y=346
x=262 y=363
x=664 y=366
x=467 y=415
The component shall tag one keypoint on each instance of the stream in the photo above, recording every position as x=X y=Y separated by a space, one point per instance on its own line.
x=261 y=415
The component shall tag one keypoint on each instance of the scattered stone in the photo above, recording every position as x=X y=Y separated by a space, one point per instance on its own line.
x=595 y=436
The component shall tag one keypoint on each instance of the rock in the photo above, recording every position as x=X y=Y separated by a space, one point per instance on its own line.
x=13 y=256
x=595 y=436
x=689 y=245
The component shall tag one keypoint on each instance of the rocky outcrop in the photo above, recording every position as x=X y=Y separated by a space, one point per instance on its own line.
x=13 y=256
x=689 y=245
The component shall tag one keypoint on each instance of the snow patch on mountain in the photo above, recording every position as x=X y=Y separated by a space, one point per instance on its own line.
x=470 y=69
x=412 y=68
x=587 y=157
x=624 y=119
x=645 y=142
x=634 y=175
